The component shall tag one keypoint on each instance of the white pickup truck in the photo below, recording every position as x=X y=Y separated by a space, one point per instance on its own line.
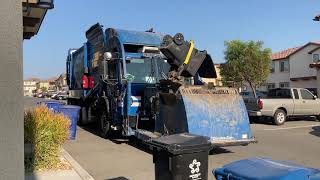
x=281 y=103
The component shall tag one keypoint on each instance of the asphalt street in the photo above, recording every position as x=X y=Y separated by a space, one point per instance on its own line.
x=297 y=141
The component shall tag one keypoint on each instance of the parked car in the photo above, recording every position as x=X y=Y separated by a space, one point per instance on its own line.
x=282 y=103
x=61 y=96
x=54 y=95
x=43 y=95
x=40 y=95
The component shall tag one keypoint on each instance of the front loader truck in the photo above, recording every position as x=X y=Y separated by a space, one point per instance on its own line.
x=148 y=85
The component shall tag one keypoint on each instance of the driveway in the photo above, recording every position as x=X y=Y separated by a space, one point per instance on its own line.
x=297 y=141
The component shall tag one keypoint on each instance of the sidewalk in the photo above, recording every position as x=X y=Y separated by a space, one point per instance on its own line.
x=76 y=173
x=54 y=175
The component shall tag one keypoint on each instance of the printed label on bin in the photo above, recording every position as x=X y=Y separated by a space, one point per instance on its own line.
x=195 y=169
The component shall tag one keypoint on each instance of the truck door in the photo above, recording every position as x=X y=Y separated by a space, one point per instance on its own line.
x=308 y=102
x=296 y=101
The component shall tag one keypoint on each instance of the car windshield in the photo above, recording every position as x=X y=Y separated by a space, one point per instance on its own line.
x=147 y=70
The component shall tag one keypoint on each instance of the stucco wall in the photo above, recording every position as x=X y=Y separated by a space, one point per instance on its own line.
x=304 y=83
x=277 y=76
x=300 y=61
x=11 y=91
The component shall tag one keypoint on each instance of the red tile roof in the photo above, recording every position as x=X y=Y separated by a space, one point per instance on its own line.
x=288 y=52
x=284 y=54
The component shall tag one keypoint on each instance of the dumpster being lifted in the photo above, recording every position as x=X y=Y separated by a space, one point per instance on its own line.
x=149 y=85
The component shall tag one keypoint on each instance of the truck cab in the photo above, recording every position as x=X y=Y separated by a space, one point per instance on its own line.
x=129 y=76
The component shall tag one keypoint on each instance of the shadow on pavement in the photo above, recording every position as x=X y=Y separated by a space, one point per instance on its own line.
x=118 y=178
x=315 y=131
x=269 y=120
x=91 y=128
x=118 y=139
x=219 y=150
x=138 y=144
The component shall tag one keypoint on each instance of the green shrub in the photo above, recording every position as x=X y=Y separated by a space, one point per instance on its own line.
x=46 y=132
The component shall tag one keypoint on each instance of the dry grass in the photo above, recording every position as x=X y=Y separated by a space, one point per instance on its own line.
x=47 y=132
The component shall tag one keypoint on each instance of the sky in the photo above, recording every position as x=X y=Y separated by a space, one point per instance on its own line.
x=280 y=24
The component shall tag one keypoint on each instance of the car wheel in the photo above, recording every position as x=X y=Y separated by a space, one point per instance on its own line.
x=280 y=117
x=60 y=98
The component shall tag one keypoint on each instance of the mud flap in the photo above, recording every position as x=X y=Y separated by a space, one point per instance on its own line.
x=218 y=113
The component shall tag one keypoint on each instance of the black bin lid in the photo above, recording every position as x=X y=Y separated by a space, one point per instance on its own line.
x=182 y=143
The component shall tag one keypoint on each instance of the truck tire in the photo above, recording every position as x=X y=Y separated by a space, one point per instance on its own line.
x=103 y=118
x=280 y=117
x=104 y=125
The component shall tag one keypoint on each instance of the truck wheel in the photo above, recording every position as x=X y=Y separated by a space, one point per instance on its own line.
x=280 y=117
x=104 y=125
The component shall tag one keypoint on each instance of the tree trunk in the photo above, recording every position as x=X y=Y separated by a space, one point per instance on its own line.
x=253 y=88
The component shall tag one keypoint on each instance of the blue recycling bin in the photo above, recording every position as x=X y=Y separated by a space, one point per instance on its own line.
x=71 y=112
x=52 y=105
x=265 y=169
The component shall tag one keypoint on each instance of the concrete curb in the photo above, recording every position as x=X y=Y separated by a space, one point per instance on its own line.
x=76 y=166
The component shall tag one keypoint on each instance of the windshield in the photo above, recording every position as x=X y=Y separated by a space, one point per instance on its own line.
x=147 y=70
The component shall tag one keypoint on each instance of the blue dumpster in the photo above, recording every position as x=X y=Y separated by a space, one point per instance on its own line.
x=265 y=169
x=52 y=105
x=71 y=112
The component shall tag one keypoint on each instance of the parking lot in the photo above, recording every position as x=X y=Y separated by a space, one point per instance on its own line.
x=297 y=141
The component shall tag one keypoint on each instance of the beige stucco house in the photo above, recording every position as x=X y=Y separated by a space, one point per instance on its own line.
x=291 y=68
x=43 y=84
x=61 y=82
x=30 y=86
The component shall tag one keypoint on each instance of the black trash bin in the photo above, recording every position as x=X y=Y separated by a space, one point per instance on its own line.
x=181 y=156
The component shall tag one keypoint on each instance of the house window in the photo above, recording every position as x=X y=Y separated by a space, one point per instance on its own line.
x=315 y=57
x=271 y=85
x=272 y=67
x=284 y=66
x=284 y=84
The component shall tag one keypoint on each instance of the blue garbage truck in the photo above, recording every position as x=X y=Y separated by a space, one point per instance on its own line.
x=146 y=84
